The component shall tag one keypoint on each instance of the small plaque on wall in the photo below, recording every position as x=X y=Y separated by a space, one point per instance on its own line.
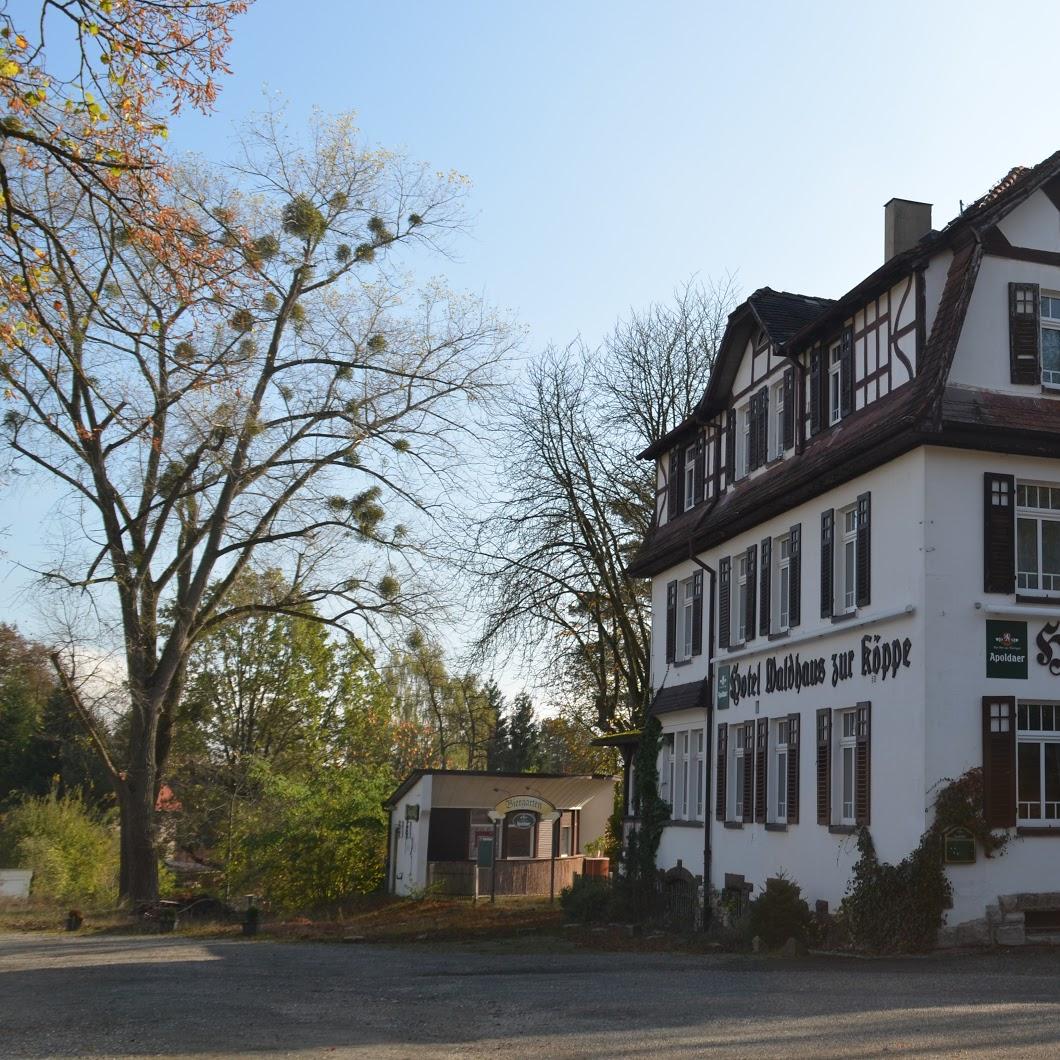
x=958 y=847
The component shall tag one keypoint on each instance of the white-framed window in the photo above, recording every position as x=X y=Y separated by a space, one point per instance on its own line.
x=835 y=362
x=1037 y=537
x=1050 y=311
x=740 y=752
x=739 y=599
x=776 y=422
x=685 y=616
x=779 y=801
x=701 y=776
x=690 y=477
x=1037 y=763
x=666 y=769
x=743 y=440
x=782 y=584
x=846 y=559
x=685 y=775
x=847 y=729
x=566 y=836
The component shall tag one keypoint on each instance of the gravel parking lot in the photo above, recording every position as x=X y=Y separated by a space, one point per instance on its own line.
x=125 y=997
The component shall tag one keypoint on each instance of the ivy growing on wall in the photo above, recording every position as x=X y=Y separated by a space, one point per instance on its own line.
x=900 y=908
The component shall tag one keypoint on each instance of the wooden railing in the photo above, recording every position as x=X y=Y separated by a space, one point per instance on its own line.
x=517 y=877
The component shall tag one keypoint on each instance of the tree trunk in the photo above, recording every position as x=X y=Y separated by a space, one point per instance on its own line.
x=138 y=875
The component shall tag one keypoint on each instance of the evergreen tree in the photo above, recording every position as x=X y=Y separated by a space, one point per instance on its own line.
x=524 y=735
x=499 y=750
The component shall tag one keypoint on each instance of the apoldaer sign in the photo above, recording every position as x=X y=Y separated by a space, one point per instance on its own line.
x=1006 y=649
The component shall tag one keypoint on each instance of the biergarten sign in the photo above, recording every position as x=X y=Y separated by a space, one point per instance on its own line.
x=878 y=659
x=1006 y=649
x=527 y=803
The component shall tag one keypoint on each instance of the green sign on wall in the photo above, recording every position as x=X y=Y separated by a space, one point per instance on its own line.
x=723 y=686
x=1006 y=649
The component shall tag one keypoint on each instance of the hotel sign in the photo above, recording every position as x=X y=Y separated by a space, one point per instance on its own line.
x=1006 y=649
x=1048 y=641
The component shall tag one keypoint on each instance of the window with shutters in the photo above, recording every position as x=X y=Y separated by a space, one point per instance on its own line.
x=782 y=583
x=690 y=477
x=847 y=779
x=835 y=383
x=846 y=560
x=741 y=763
x=1038 y=764
x=779 y=774
x=1037 y=537
x=1050 y=304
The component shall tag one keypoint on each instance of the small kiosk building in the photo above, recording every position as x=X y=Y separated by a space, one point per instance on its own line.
x=538 y=823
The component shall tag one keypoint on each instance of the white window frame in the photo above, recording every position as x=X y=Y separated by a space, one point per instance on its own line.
x=743 y=440
x=776 y=422
x=1047 y=583
x=782 y=583
x=846 y=742
x=739 y=598
x=690 y=477
x=686 y=606
x=739 y=765
x=846 y=560
x=1050 y=321
x=835 y=383
x=666 y=769
x=683 y=743
x=778 y=801
x=699 y=743
x=1037 y=722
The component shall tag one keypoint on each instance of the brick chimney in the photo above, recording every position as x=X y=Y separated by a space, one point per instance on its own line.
x=905 y=223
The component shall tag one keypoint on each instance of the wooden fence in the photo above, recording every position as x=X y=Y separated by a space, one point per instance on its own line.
x=529 y=877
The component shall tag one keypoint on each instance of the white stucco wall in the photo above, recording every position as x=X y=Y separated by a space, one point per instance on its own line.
x=408 y=851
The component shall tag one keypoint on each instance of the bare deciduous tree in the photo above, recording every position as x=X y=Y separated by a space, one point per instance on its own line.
x=277 y=411
x=575 y=502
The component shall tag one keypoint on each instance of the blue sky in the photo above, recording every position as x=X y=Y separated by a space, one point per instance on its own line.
x=618 y=148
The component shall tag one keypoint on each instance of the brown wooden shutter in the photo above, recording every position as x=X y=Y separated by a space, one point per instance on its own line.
x=824 y=766
x=793 y=769
x=1024 y=333
x=999 y=761
x=724 y=600
x=795 y=576
x=999 y=533
x=765 y=603
x=719 y=773
x=730 y=448
x=827 y=561
x=761 y=767
x=816 y=374
x=751 y=599
x=787 y=432
x=846 y=372
x=700 y=470
x=748 y=771
x=697 y=613
x=671 y=621
x=863 y=550
x=863 y=763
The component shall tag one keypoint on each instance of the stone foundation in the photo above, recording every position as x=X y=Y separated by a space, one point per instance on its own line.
x=1004 y=923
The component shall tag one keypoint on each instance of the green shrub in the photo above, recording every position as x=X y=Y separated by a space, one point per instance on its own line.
x=780 y=913
x=587 y=899
x=73 y=853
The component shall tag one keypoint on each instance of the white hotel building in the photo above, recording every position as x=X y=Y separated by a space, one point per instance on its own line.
x=855 y=564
